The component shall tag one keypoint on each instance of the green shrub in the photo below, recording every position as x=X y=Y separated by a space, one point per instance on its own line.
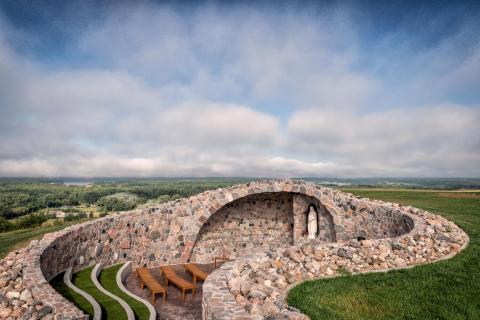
x=119 y=202
x=73 y=217
x=5 y=225
x=31 y=220
x=51 y=215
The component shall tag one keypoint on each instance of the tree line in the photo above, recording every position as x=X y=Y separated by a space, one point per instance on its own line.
x=20 y=197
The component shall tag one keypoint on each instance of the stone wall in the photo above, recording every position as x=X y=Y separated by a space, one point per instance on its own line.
x=254 y=222
x=259 y=283
x=167 y=234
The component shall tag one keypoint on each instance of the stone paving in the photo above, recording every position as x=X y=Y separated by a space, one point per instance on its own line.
x=173 y=308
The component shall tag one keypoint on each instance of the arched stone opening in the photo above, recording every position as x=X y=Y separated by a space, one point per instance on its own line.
x=325 y=227
x=258 y=221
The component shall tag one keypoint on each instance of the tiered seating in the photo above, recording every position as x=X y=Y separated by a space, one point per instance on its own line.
x=152 y=284
x=179 y=282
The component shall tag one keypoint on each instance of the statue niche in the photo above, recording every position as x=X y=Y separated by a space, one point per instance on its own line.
x=312 y=223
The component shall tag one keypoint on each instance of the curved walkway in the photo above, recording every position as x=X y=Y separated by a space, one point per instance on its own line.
x=122 y=274
x=94 y=276
x=97 y=310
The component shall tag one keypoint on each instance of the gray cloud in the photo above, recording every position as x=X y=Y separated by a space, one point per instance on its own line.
x=421 y=141
x=244 y=93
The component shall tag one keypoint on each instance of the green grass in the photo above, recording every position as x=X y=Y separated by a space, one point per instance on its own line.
x=111 y=309
x=20 y=238
x=71 y=295
x=107 y=280
x=442 y=290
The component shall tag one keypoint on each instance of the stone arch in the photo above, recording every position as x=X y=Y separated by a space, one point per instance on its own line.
x=326 y=228
x=257 y=221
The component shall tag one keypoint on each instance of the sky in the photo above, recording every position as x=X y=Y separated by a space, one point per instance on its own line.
x=256 y=88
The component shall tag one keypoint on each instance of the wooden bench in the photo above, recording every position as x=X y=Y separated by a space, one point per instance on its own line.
x=147 y=279
x=179 y=282
x=197 y=273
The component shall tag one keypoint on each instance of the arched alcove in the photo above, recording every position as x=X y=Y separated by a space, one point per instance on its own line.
x=253 y=222
x=258 y=222
x=326 y=230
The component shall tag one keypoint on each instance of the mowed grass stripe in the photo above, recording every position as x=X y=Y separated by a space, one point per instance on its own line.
x=107 y=279
x=79 y=301
x=443 y=290
x=111 y=309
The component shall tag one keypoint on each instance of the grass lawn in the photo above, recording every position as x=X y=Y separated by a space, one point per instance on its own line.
x=442 y=290
x=71 y=295
x=107 y=280
x=111 y=309
x=20 y=238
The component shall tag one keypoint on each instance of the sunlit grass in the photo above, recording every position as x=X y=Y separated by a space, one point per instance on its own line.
x=20 y=238
x=442 y=290
x=71 y=295
x=108 y=281
x=111 y=309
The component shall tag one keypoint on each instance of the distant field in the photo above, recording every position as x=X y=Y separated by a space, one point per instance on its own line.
x=20 y=238
x=19 y=197
x=442 y=290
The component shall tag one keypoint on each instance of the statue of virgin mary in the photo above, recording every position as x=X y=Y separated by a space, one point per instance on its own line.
x=312 y=225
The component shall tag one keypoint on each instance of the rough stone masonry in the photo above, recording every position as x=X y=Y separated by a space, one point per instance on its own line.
x=270 y=248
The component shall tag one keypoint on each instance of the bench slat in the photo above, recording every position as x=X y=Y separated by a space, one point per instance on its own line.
x=181 y=283
x=196 y=271
x=148 y=280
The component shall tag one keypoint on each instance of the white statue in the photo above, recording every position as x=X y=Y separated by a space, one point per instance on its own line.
x=312 y=223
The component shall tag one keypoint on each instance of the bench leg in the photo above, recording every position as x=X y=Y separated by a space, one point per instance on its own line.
x=183 y=294
x=153 y=298
x=164 y=294
x=141 y=285
x=193 y=293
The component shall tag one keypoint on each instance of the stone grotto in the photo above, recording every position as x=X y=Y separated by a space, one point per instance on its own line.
x=276 y=233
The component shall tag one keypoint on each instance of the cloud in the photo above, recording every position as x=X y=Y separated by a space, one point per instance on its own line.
x=421 y=141
x=243 y=55
x=213 y=91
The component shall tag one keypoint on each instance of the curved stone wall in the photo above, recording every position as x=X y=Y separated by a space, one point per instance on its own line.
x=174 y=232
x=258 y=284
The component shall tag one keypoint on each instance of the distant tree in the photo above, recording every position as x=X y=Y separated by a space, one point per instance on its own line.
x=5 y=225
x=119 y=202
x=31 y=220
x=75 y=216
